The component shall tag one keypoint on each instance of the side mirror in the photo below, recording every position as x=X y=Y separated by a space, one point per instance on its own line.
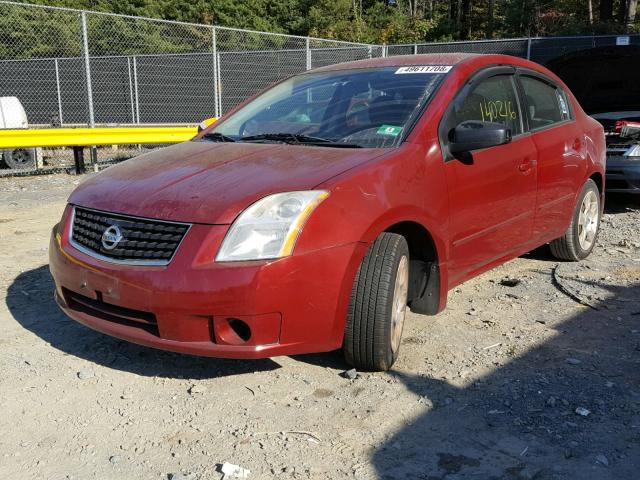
x=474 y=135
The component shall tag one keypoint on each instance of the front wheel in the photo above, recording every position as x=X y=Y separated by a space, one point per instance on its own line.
x=378 y=305
x=580 y=238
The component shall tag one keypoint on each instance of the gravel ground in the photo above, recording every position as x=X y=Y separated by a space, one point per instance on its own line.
x=533 y=371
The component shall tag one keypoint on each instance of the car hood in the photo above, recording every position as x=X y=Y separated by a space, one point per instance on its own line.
x=207 y=182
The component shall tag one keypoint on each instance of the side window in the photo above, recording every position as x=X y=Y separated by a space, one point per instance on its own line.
x=492 y=100
x=546 y=104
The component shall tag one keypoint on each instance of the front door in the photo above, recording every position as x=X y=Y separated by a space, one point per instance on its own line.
x=492 y=197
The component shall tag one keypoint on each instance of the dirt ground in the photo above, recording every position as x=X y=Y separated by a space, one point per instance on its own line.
x=532 y=372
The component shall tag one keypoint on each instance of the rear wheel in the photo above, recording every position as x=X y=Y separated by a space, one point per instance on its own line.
x=378 y=305
x=580 y=238
x=20 y=158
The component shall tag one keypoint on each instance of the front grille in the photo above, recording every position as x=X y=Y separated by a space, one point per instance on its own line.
x=138 y=241
x=112 y=313
x=617 y=148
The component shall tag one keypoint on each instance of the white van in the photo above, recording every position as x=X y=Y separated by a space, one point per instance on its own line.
x=12 y=115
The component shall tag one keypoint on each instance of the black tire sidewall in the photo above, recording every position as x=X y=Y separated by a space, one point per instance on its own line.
x=367 y=341
x=8 y=156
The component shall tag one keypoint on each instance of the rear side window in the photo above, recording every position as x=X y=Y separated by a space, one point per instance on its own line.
x=492 y=100
x=564 y=104
x=546 y=104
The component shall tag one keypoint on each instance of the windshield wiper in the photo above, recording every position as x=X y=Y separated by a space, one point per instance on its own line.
x=217 y=137
x=298 y=139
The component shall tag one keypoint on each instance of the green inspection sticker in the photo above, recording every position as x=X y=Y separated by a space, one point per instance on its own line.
x=389 y=130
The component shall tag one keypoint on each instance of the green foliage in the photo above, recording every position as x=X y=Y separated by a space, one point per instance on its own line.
x=28 y=32
x=108 y=35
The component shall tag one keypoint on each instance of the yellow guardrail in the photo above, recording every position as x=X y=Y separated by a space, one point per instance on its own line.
x=78 y=138
x=88 y=137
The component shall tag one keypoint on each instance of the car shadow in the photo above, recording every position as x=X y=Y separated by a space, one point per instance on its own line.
x=621 y=202
x=30 y=301
x=542 y=254
x=334 y=359
x=523 y=421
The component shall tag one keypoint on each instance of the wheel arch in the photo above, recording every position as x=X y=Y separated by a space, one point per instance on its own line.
x=414 y=224
x=425 y=272
x=598 y=179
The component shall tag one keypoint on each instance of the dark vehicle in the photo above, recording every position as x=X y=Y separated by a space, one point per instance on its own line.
x=605 y=82
x=622 y=131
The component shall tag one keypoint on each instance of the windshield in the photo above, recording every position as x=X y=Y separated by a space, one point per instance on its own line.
x=348 y=108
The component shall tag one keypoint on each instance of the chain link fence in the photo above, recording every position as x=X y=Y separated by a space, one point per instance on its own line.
x=517 y=47
x=76 y=68
x=72 y=68
x=540 y=50
x=545 y=50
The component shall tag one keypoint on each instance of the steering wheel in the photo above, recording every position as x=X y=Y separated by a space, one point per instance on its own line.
x=358 y=108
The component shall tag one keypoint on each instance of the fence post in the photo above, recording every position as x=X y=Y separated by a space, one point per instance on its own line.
x=529 y=48
x=135 y=88
x=131 y=99
x=87 y=69
x=55 y=60
x=308 y=50
x=384 y=50
x=214 y=58
x=219 y=83
x=415 y=48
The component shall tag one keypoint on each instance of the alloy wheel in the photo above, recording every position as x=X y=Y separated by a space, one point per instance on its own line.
x=588 y=220
x=399 y=306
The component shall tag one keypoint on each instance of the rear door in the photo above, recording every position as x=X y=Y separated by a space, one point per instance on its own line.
x=561 y=153
x=492 y=195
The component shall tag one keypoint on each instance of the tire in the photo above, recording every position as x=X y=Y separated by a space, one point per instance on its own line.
x=580 y=238
x=378 y=305
x=20 y=158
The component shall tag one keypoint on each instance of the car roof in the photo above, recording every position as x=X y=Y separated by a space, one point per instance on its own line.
x=402 y=60
x=472 y=59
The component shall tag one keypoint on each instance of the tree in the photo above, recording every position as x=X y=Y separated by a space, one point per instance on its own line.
x=379 y=21
x=631 y=15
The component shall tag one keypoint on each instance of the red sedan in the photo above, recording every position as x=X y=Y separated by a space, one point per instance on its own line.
x=311 y=216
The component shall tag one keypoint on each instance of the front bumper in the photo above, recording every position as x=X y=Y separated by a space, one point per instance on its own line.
x=292 y=305
x=623 y=174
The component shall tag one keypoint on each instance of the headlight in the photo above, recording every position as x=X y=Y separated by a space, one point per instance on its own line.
x=270 y=227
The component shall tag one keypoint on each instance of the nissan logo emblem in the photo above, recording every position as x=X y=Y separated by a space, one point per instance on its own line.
x=111 y=237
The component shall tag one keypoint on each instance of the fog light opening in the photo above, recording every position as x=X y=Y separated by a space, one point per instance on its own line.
x=240 y=328
x=231 y=331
